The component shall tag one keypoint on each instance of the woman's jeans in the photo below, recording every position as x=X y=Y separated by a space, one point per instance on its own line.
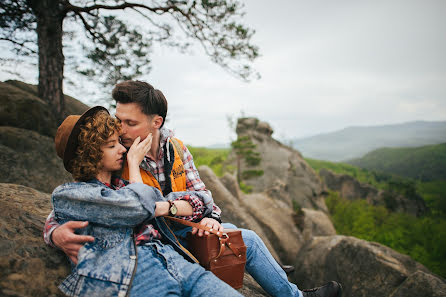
x=260 y=264
x=161 y=271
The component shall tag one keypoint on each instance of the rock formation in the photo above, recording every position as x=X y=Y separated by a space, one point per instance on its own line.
x=27 y=266
x=364 y=269
x=286 y=174
x=350 y=188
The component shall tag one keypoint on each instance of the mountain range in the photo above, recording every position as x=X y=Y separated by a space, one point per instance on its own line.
x=355 y=142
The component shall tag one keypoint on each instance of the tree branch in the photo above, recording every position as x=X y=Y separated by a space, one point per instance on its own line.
x=88 y=9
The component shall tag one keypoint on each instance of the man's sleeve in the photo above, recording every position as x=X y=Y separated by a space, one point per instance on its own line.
x=194 y=182
x=50 y=225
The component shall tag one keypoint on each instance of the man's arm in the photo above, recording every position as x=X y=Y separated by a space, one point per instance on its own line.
x=194 y=182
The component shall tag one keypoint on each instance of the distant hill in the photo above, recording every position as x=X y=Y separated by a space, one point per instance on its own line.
x=355 y=142
x=426 y=163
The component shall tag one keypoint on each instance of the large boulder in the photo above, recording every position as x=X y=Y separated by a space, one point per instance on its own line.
x=22 y=109
x=29 y=158
x=286 y=175
x=316 y=223
x=27 y=266
x=233 y=210
x=363 y=268
x=72 y=105
x=350 y=188
x=421 y=284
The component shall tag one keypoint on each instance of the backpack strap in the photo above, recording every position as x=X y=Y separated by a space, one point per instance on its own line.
x=178 y=148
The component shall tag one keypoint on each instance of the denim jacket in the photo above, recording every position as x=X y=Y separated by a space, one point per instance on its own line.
x=106 y=266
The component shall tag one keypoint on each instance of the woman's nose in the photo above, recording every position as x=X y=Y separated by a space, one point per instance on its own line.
x=122 y=149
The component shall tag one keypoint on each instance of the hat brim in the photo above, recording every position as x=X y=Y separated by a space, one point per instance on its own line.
x=73 y=141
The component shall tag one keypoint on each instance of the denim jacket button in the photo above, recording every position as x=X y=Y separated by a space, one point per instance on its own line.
x=133 y=257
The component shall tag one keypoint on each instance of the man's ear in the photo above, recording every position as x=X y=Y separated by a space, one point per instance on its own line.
x=157 y=121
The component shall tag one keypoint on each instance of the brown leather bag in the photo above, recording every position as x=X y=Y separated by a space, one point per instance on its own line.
x=224 y=254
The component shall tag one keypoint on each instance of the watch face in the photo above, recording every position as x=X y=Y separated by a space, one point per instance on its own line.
x=173 y=209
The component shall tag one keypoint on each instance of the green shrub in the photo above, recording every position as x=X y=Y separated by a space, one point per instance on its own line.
x=424 y=239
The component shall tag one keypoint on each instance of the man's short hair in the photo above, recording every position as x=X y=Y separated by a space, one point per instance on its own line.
x=151 y=100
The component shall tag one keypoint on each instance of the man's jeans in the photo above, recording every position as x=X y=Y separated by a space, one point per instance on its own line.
x=260 y=264
x=161 y=271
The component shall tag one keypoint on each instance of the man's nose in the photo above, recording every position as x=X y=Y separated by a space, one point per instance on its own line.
x=123 y=128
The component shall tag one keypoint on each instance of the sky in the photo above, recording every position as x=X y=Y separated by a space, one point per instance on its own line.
x=324 y=65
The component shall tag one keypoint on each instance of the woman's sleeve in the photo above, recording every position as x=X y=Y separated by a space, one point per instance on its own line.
x=128 y=206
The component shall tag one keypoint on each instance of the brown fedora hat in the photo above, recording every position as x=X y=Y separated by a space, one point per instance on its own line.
x=67 y=134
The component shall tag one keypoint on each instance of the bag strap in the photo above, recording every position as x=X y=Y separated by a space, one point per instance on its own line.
x=223 y=237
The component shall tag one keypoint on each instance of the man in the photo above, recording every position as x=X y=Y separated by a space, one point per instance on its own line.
x=142 y=111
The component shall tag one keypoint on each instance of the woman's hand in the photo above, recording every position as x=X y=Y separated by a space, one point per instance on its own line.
x=138 y=150
x=211 y=223
x=135 y=156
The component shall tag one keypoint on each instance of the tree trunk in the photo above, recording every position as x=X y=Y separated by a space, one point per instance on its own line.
x=50 y=17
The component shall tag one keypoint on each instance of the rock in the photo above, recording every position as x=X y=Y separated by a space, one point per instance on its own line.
x=350 y=188
x=421 y=284
x=27 y=266
x=286 y=175
x=316 y=223
x=233 y=211
x=21 y=109
x=72 y=106
x=230 y=183
x=251 y=288
x=363 y=268
x=275 y=218
x=29 y=158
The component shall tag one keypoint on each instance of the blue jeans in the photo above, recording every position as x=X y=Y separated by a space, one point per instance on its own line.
x=260 y=264
x=161 y=271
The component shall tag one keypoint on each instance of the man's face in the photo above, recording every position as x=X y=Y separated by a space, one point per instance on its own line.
x=134 y=123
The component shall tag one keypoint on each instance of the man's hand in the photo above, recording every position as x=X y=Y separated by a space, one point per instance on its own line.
x=211 y=223
x=70 y=243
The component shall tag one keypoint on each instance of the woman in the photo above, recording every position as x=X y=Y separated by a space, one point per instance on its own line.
x=127 y=258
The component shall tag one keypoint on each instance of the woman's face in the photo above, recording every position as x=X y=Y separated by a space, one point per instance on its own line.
x=113 y=154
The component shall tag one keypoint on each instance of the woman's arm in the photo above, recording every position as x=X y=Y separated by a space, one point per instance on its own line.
x=127 y=206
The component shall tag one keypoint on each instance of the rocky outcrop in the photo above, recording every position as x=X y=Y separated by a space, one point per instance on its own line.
x=364 y=268
x=21 y=108
x=421 y=284
x=272 y=219
x=30 y=159
x=27 y=128
x=27 y=266
x=286 y=175
x=350 y=188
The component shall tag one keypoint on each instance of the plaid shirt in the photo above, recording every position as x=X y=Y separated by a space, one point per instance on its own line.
x=156 y=168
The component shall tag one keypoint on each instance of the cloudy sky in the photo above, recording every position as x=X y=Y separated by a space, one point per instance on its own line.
x=325 y=65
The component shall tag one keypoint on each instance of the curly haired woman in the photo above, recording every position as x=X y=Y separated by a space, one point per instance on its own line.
x=127 y=258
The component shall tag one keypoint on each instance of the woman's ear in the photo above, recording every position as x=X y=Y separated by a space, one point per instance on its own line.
x=157 y=121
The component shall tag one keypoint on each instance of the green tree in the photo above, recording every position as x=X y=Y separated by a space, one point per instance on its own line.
x=244 y=150
x=118 y=49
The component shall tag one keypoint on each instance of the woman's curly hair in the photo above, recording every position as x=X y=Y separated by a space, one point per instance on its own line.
x=94 y=134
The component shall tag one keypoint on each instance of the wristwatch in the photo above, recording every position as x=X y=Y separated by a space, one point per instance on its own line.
x=172 y=208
